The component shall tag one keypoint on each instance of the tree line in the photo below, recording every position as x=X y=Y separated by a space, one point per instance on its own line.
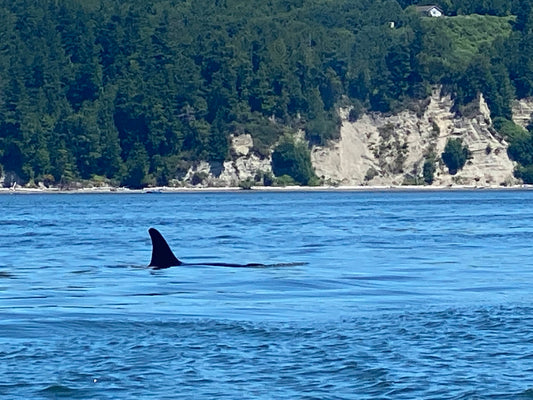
x=136 y=91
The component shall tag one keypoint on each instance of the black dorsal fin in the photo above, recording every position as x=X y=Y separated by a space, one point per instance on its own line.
x=162 y=256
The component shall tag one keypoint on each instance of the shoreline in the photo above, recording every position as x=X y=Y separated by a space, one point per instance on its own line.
x=255 y=189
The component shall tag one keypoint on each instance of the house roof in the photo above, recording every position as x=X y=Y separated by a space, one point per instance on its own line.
x=427 y=8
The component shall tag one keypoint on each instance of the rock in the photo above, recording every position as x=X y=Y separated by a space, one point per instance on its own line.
x=385 y=150
x=245 y=165
x=523 y=112
x=242 y=144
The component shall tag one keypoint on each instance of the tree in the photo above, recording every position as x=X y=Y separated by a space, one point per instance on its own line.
x=93 y=87
x=137 y=167
x=524 y=173
x=455 y=155
x=293 y=159
x=428 y=170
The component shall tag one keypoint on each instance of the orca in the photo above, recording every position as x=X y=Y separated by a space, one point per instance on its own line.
x=163 y=257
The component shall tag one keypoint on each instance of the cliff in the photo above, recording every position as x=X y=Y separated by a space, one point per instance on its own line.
x=385 y=150
x=245 y=165
x=523 y=112
x=391 y=149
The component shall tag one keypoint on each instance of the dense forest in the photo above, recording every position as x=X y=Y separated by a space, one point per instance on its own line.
x=135 y=91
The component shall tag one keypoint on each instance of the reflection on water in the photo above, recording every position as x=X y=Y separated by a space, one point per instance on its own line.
x=402 y=295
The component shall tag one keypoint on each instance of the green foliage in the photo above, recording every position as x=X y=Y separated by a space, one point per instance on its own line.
x=371 y=173
x=520 y=147
x=428 y=170
x=454 y=7
x=264 y=178
x=198 y=178
x=356 y=111
x=264 y=133
x=464 y=37
x=218 y=146
x=285 y=180
x=137 y=167
x=292 y=159
x=520 y=141
x=455 y=155
x=509 y=129
x=464 y=54
x=133 y=91
x=524 y=173
x=246 y=184
x=320 y=130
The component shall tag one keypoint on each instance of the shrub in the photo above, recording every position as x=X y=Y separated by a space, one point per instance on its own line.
x=137 y=167
x=521 y=150
x=428 y=170
x=284 y=180
x=356 y=111
x=524 y=173
x=246 y=184
x=198 y=177
x=264 y=178
x=293 y=159
x=371 y=173
x=508 y=129
x=520 y=144
x=315 y=181
x=48 y=180
x=264 y=134
x=455 y=155
x=322 y=129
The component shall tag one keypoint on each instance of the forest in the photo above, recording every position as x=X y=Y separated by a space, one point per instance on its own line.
x=135 y=92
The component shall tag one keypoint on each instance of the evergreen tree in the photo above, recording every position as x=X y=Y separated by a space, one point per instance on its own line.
x=292 y=158
x=89 y=88
x=455 y=155
x=137 y=166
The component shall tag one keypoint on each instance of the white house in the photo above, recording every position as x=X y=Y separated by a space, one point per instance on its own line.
x=430 y=11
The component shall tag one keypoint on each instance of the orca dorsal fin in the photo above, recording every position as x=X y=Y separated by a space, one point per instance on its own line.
x=162 y=256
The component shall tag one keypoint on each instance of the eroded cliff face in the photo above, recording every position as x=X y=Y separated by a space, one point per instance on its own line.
x=244 y=166
x=390 y=150
x=523 y=112
x=382 y=150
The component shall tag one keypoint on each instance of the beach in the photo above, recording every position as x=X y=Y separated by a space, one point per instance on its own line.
x=171 y=189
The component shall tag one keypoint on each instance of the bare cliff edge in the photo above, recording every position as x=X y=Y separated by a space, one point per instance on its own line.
x=390 y=150
x=381 y=150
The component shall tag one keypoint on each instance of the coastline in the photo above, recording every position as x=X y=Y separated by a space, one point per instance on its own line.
x=255 y=189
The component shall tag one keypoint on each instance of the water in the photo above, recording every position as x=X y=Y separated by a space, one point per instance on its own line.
x=404 y=295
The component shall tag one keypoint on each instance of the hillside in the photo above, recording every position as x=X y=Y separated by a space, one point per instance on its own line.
x=454 y=42
x=139 y=94
x=389 y=150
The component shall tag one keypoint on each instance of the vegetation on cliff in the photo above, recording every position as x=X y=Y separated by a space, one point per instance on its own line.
x=520 y=147
x=455 y=155
x=136 y=91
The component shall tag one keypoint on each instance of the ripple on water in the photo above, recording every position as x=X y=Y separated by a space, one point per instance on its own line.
x=456 y=352
x=404 y=295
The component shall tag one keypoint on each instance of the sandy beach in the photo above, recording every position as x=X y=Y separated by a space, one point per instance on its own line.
x=168 y=189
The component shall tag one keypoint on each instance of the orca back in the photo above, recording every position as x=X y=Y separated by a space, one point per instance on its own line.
x=162 y=256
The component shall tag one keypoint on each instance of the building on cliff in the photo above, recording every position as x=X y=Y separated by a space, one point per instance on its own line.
x=430 y=11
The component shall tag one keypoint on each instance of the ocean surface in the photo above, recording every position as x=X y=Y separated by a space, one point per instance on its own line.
x=403 y=295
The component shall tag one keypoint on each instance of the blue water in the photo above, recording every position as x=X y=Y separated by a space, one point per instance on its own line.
x=403 y=296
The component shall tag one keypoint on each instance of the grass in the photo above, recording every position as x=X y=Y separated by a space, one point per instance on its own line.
x=464 y=36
